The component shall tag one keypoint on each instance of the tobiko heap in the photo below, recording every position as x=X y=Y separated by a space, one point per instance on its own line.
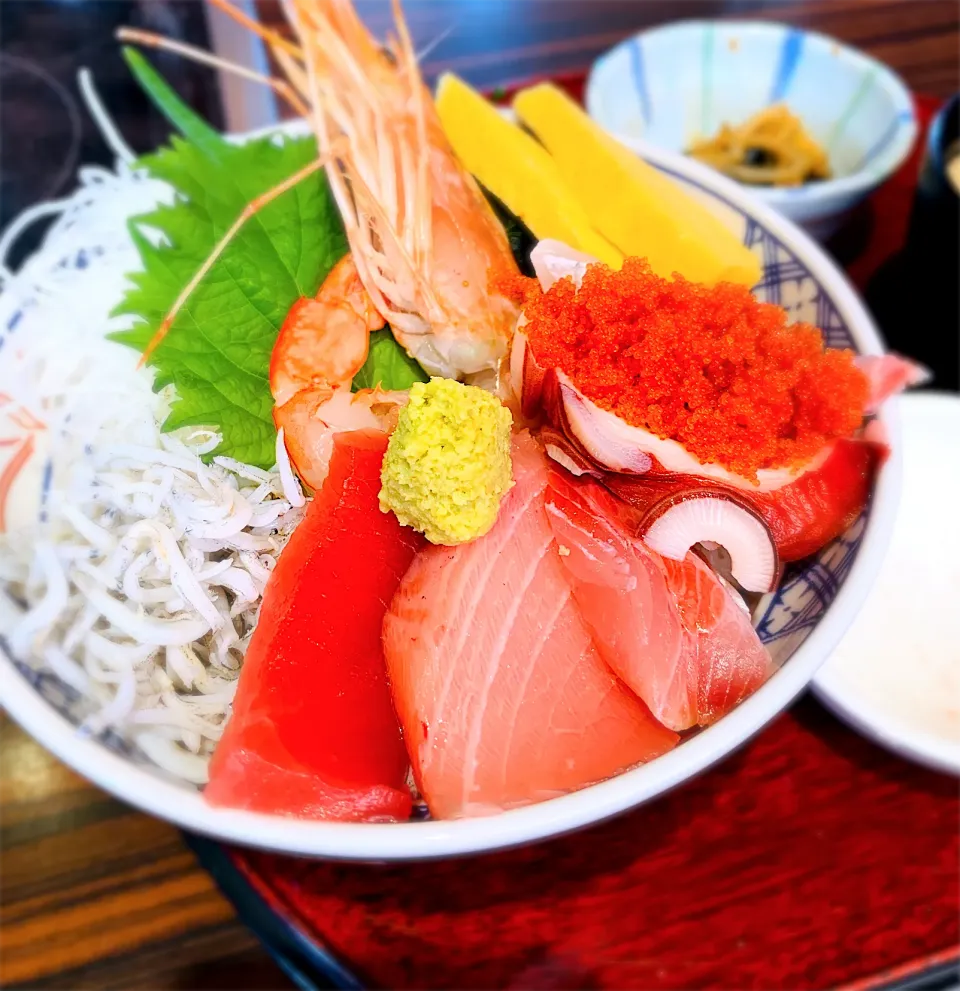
x=708 y=366
x=700 y=407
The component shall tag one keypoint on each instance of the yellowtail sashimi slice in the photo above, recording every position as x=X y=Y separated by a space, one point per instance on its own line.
x=500 y=690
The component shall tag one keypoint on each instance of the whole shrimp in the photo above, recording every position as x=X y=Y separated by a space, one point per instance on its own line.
x=426 y=244
x=426 y=251
x=322 y=344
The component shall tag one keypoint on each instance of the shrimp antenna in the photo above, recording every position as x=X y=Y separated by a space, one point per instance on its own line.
x=295 y=73
x=423 y=52
x=150 y=40
x=423 y=244
x=252 y=208
x=272 y=38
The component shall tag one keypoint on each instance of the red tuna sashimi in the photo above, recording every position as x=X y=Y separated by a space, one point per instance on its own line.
x=502 y=695
x=313 y=732
x=822 y=503
x=669 y=629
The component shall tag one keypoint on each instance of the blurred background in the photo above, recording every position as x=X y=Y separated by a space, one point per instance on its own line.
x=489 y=42
x=95 y=895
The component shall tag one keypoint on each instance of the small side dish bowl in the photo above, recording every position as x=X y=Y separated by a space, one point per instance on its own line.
x=800 y=623
x=671 y=85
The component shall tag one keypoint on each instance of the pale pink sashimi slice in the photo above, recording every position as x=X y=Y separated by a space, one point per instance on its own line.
x=623 y=598
x=888 y=374
x=500 y=690
x=670 y=630
x=731 y=661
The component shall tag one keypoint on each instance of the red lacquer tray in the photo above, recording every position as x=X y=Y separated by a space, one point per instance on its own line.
x=810 y=859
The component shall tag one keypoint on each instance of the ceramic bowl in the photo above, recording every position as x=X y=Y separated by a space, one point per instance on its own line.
x=800 y=623
x=670 y=85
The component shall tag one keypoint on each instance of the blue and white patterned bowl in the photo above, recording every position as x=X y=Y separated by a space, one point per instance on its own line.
x=667 y=86
x=800 y=624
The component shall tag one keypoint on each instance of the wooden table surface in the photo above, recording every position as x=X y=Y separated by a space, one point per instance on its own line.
x=96 y=895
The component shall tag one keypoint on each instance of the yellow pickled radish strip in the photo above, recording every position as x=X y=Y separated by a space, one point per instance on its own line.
x=637 y=208
x=516 y=169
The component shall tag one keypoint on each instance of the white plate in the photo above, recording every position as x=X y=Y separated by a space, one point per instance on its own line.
x=896 y=674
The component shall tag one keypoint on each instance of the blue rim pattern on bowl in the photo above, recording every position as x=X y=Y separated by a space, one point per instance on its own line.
x=787 y=66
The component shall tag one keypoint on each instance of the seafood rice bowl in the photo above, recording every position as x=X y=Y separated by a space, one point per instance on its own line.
x=393 y=489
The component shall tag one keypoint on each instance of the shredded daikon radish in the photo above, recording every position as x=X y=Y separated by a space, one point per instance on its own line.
x=291 y=487
x=134 y=571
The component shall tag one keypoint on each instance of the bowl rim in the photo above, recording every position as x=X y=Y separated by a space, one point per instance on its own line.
x=150 y=792
x=850 y=186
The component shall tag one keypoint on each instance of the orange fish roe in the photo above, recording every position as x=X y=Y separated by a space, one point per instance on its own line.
x=708 y=366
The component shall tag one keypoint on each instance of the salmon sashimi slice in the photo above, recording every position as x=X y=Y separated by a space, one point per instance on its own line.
x=314 y=733
x=623 y=598
x=723 y=647
x=502 y=695
x=670 y=630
